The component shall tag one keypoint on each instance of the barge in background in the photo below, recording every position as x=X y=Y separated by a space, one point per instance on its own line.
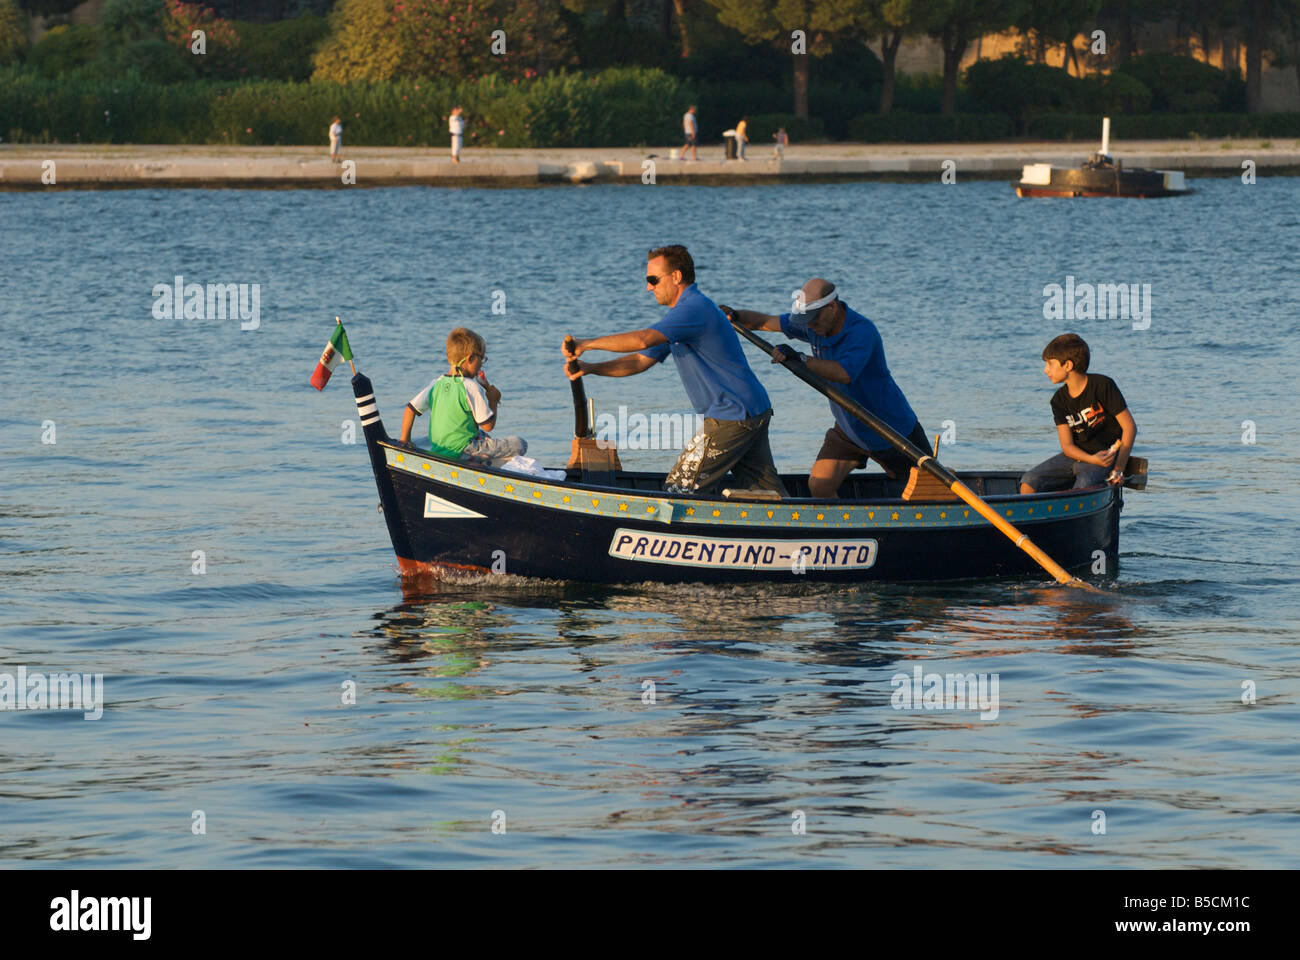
x=1101 y=176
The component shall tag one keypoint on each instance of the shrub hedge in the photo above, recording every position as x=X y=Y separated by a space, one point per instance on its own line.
x=1166 y=126
x=1187 y=85
x=1012 y=85
x=611 y=108
x=1156 y=82
x=929 y=127
x=282 y=49
x=616 y=107
x=721 y=105
x=763 y=125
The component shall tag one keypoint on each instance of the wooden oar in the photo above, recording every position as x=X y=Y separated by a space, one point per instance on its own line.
x=581 y=425
x=597 y=459
x=921 y=459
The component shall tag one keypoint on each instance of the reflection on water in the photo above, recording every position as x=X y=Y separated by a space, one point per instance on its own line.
x=726 y=709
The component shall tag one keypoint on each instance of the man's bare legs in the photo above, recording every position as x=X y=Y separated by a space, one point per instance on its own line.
x=826 y=476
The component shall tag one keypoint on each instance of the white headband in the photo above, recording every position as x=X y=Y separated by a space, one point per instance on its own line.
x=816 y=304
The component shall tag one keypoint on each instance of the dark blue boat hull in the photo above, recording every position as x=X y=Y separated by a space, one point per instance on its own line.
x=449 y=515
x=518 y=538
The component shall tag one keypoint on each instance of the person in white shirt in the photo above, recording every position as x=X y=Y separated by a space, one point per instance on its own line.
x=691 y=129
x=336 y=139
x=457 y=126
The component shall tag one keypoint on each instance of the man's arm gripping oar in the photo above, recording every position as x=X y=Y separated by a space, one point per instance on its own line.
x=922 y=459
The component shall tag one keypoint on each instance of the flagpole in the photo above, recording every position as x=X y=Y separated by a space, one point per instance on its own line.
x=350 y=363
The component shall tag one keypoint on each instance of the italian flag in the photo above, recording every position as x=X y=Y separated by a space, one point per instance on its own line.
x=337 y=349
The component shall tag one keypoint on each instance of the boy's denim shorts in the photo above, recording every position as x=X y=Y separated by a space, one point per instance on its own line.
x=1064 y=473
x=493 y=451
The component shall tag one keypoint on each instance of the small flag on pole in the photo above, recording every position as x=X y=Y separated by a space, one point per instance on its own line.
x=337 y=349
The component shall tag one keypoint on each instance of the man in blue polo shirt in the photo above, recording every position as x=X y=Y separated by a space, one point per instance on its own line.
x=846 y=349
x=714 y=372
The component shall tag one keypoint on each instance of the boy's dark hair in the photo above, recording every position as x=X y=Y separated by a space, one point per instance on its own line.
x=1068 y=346
x=679 y=258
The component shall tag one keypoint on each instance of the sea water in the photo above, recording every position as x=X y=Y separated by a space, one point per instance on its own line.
x=182 y=514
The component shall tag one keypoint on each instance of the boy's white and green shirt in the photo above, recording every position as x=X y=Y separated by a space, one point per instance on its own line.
x=458 y=405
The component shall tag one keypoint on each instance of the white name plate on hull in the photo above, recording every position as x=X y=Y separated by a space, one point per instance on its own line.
x=793 y=555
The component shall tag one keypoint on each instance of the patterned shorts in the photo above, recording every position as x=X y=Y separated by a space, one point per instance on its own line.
x=736 y=446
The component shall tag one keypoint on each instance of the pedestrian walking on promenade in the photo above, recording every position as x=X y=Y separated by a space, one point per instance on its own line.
x=456 y=124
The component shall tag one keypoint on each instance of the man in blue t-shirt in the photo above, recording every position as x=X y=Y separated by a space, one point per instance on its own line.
x=714 y=372
x=846 y=349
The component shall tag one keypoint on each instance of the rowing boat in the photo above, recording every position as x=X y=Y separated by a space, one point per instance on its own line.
x=606 y=525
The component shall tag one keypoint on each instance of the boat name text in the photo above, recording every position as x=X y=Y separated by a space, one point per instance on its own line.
x=794 y=555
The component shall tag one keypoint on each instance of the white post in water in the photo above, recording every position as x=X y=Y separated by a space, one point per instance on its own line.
x=1105 y=136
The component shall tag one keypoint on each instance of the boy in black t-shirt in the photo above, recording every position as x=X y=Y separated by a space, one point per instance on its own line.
x=1092 y=421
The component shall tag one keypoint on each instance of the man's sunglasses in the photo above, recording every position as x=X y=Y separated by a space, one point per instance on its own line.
x=654 y=281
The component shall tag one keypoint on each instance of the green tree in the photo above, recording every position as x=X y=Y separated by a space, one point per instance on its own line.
x=1128 y=13
x=1057 y=21
x=1260 y=18
x=154 y=39
x=1268 y=28
x=891 y=21
x=13 y=33
x=605 y=37
x=281 y=49
x=63 y=49
x=130 y=21
x=133 y=42
x=955 y=23
x=823 y=24
x=220 y=38
x=390 y=39
x=679 y=12
x=50 y=8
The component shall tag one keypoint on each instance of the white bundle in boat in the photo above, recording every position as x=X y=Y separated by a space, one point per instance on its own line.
x=531 y=467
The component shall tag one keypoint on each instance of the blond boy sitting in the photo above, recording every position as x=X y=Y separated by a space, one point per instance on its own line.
x=463 y=407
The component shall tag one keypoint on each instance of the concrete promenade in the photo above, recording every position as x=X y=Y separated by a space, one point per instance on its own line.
x=25 y=166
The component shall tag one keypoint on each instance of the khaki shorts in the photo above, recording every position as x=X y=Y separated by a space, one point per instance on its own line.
x=736 y=446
